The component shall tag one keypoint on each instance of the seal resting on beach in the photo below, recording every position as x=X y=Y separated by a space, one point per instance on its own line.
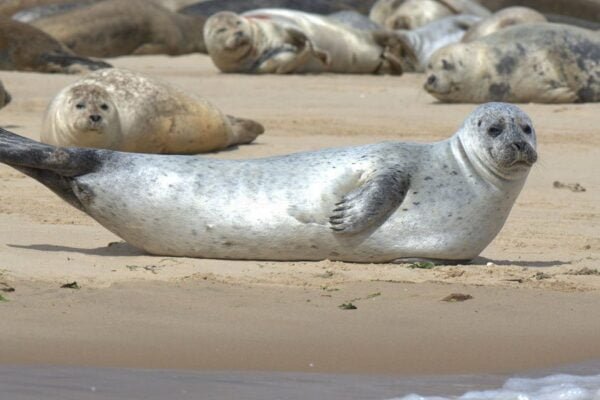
x=112 y=28
x=26 y=48
x=122 y=110
x=286 y=41
x=419 y=44
x=210 y=7
x=542 y=63
x=411 y=14
x=5 y=97
x=391 y=201
x=503 y=19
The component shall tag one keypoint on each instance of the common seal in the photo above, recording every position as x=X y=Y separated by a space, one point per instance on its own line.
x=122 y=110
x=419 y=44
x=411 y=14
x=5 y=97
x=112 y=28
x=287 y=41
x=503 y=19
x=26 y=48
x=210 y=7
x=375 y=203
x=542 y=63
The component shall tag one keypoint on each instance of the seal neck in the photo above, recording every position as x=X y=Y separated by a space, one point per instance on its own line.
x=471 y=160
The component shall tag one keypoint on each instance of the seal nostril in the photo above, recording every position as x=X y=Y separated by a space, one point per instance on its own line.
x=431 y=80
x=95 y=118
x=519 y=145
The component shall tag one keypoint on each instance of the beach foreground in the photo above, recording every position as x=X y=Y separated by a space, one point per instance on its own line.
x=535 y=289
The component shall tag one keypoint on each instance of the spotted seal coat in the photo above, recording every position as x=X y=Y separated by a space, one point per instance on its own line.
x=391 y=201
x=128 y=111
x=503 y=19
x=542 y=63
x=112 y=28
x=26 y=48
x=287 y=41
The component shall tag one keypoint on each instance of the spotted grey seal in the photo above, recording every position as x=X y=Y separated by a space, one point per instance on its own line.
x=26 y=48
x=374 y=203
x=123 y=110
x=419 y=44
x=210 y=7
x=287 y=41
x=112 y=28
x=5 y=97
x=542 y=63
x=411 y=14
x=503 y=19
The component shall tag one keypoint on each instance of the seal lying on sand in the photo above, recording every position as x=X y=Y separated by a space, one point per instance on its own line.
x=25 y=48
x=210 y=7
x=503 y=19
x=114 y=28
x=411 y=14
x=542 y=63
x=123 y=110
x=419 y=44
x=4 y=96
x=287 y=41
x=374 y=203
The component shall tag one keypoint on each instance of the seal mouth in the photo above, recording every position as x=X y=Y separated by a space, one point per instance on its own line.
x=236 y=42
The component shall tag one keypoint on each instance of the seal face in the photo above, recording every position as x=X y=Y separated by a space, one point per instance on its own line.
x=122 y=110
x=373 y=203
x=287 y=41
x=544 y=63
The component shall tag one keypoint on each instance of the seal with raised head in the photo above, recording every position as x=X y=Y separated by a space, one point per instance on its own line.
x=123 y=110
x=112 y=28
x=419 y=44
x=287 y=41
x=391 y=201
x=210 y=7
x=25 y=48
x=503 y=19
x=541 y=63
x=5 y=97
x=411 y=14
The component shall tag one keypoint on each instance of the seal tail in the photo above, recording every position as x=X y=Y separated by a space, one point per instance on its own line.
x=245 y=130
x=54 y=167
x=75 y=64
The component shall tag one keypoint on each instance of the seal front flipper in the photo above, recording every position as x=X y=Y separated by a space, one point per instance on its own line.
x=301 y=41
x=369 y=204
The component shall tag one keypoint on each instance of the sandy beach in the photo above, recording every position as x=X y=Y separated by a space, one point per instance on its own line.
x=535 y=290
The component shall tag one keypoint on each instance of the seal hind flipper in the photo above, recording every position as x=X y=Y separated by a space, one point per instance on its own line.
x=20 y=152
x=370 y=203
x=244 y=130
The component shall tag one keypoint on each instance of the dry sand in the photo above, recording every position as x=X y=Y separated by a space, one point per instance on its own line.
x=535 y=295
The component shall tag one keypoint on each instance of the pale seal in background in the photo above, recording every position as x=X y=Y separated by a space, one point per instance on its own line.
x=26 y=48
x=5 y=97
x=541 y=63
x=419 y=44
x=112 y=28
x=443 y=201
x=411 y=14
x=210 y=7
x=503 y=19
x=287 y=41
x=123 y=110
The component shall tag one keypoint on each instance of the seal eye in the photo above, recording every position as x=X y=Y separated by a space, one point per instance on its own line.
x=527 y=129
x=221 y=30
x=80 y=106
x=494 y=130
x=104 y=107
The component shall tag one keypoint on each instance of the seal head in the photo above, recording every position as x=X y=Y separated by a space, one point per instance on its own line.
x=90 y=116
x=228 y=35
x=499 y=139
